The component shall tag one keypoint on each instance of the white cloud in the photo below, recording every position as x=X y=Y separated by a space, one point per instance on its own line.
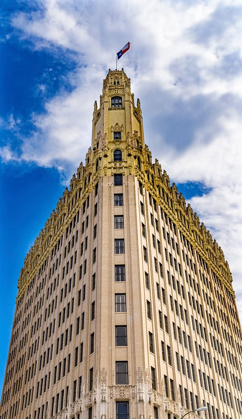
x=185 y=65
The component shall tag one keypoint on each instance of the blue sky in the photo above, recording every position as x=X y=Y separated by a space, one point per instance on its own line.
x=185 y=66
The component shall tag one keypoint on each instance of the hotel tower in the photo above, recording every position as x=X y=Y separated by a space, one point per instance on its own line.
x=125 y=306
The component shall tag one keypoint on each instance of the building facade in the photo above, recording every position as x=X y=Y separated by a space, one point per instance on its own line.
x=125 y=305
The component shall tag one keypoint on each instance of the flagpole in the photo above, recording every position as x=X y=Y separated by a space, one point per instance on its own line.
x=116 y=61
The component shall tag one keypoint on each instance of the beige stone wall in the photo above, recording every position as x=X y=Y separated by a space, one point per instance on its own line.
x=198 y=302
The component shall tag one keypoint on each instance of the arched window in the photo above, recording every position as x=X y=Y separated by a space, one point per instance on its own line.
x=116 y=102
x=117 y=155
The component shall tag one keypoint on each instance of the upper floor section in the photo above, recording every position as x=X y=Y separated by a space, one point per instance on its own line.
x=117 y=118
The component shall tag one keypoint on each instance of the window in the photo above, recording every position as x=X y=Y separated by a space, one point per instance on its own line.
x=118 y=180
x=121 y=335
x=145 y=254
x=120 y=303
x=119 y=273
x=90 y=379
x=149 y=312
x=118 y=199
x=95 y=209
x=90 y=413
x=143 y=230
x=151 y=342
x=118 y=246
x=118 y=221
x=93 y=311
x=156 y=413
x=163 y=350
x=117 y=135
x=116 y=102
x=122 y=409
x=95 y=231
x=169 y=355
x=117 y=155
x=122 y=372
x=158 y=290
x=92 y=343
x=142 y=208
x=93 y=282
x=153 y=379
x=166 y=324
x=94 y=255
x=147 y=281
x=172 y=389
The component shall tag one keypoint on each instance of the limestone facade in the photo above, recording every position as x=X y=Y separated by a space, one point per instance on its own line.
x=125 y=306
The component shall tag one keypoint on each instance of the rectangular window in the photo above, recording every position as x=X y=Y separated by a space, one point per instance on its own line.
x=118 y=221
x=118 y=199
x=149 y=311
x=147 y=281
x=143 y=230
x=93 y=282
x=95 y=231
x=90 y=379
x=166 y=386
x=83 y=320
x=178 y=362
x=92 y=343
x=169 y=355
x=166 y=324
x=118 y=180
x=160 y=319
x=76 y=357
x=119 y=273
x=156 y=414
x=122 y=372
x=74 y=391
x=93 y=311
x=163 y=350
x=94 y=255
x=120 y=303
x=121 y=335
x=142 y=208
x=145 y=254
x=158 y=290
x=151 y=342
x=77 y=325
x=153 y=378
x=95 y=209
x=172 y=389
x=118 y=246
x=117 y=135
x=122 y=410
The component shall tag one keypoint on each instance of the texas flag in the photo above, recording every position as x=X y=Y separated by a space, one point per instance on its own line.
x=123 y=50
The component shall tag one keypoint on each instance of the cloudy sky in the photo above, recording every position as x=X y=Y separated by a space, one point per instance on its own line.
x=185 y=66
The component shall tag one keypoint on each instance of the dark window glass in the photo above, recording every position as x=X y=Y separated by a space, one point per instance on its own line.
x=118 y=221
x=117 y=135
x=121 y=335
x=120 y=303
x=90 y=379
x=118 y=246
x=122 y=372
x=119 y=272
x=118 y=179
x=122 y=409
x=153 y=379
x=118 y=199
x=116 y=102
x=117 y=155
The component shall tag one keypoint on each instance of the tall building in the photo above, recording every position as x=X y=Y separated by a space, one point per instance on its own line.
x=125 y=305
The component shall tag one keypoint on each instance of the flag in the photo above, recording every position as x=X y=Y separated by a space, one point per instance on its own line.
x=123 y=50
